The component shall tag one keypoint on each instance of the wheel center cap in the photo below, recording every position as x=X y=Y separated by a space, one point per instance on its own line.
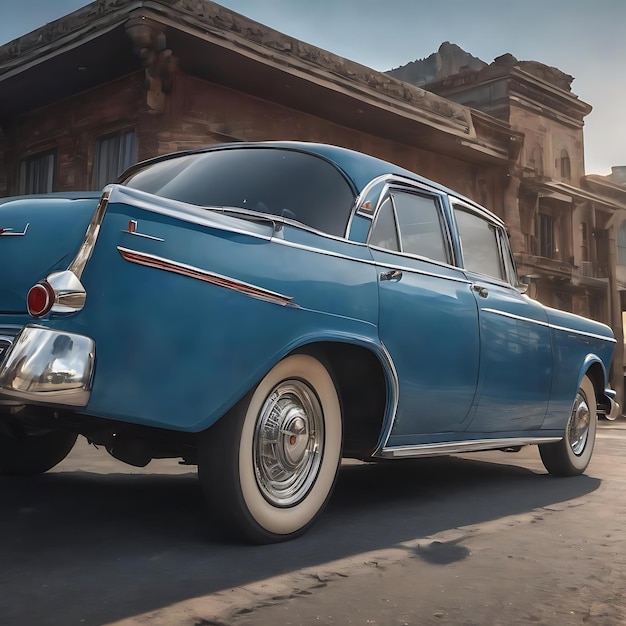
x=295 y=435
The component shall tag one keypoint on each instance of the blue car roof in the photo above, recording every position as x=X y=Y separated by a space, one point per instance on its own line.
x=359 y=168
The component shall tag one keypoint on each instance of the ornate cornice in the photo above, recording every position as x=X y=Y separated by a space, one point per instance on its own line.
x=149 y=44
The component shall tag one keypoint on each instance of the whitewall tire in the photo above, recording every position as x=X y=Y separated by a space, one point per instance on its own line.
x=269 y=466
x=571 y=455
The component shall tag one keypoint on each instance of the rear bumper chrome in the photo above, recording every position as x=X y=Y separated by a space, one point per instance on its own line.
x=47 y=366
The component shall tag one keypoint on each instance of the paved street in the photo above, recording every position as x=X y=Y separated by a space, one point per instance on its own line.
x=480 y=539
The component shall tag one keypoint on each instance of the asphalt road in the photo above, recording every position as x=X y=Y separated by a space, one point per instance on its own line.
x=476 y=539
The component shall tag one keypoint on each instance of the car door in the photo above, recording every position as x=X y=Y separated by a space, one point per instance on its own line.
x=428 y=320
x=515 y=374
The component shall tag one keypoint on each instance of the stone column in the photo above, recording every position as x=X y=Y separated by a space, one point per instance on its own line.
x=616 y=376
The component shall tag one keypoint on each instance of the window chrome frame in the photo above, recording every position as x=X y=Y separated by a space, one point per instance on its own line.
x=503 y=248
x=409 y=187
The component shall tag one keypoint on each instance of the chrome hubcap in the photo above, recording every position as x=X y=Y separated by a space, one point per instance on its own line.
x=578 y=427
x=288 y=443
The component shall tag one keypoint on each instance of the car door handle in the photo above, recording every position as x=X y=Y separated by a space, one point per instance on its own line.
x=391 y=275
x=483 y=292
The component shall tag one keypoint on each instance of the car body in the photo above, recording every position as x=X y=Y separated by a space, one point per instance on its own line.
x=265 y=309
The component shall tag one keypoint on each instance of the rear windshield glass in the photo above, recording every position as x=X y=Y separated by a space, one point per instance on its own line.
x=286 y=183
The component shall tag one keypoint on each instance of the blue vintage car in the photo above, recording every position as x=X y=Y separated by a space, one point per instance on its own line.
x=263 y=310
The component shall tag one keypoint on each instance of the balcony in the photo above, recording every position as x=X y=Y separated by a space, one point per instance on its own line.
x=590 y=274
x=545 y=266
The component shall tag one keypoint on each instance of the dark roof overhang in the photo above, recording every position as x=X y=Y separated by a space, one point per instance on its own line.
x=91 y=46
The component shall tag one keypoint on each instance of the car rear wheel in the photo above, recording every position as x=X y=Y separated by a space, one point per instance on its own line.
x=572 y=454
x=31 y=454
x=269 y=466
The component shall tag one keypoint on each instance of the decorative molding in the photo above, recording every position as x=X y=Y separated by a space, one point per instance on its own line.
x=150 y=45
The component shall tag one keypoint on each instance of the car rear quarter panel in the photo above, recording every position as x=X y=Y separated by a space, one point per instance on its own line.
x=177 y=352
x=44 y=235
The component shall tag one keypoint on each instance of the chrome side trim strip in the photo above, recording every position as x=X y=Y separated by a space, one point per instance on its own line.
x=515 y=317
x=548 y=325
x=402 y=268
x=9 y=232
x=436 y=449
x=157 y=262
x=583 y=333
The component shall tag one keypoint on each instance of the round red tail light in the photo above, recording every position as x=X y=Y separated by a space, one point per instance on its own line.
x=40 y=299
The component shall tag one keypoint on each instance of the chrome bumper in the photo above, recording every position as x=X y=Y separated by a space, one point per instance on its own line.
x=614 y=410
x=47 y=366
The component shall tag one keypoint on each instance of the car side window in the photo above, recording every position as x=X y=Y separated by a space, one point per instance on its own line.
x=479 y=242
x=420 y=226
x=507 y=256
x=416 y=217
x=385 y=233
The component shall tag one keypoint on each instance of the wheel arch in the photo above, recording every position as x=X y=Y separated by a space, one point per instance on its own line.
x=593 y=368
x=363 y=382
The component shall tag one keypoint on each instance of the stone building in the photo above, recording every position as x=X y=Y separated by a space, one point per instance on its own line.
x=114 y=82
x=563 y=225
x=613 y=189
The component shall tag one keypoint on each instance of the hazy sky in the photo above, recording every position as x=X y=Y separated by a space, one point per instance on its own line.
x=584 y=38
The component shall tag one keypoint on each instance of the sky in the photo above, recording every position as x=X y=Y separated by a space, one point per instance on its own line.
x=583 y=38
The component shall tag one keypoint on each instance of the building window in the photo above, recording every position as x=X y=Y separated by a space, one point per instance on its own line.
x=546 y=236
x=565 y=166
x=37 y=173
x=621 y=244
x=114 y=154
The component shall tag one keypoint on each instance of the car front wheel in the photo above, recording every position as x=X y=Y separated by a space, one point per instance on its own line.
x=269 y=466
x=572 y=454
x=31 y=454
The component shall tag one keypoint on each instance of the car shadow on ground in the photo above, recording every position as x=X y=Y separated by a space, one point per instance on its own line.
x=92 y=548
